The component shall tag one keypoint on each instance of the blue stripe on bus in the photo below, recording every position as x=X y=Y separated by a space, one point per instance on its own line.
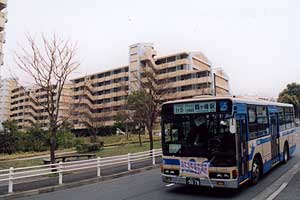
x=250 y=156
x=262 y=141
x=292 y=149
x=267 y=166
x=242 y=178
x=268 y=139
x=171 y=162
x=287 y=132
x=258 y=142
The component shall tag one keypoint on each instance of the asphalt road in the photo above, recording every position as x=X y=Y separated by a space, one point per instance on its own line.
x=292 y=191
x=148 y=185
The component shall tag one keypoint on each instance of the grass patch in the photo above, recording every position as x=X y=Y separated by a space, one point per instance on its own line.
x=124 y=146
x=4 y=157
x=105 y=152
x=52 y=175
x=127 y=148
x=121 y=139
x=20 y=163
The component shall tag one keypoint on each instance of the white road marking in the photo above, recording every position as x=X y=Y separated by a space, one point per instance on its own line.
x=271 y=197
x=170 y=185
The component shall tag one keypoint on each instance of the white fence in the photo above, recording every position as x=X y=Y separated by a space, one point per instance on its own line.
x=12 y=174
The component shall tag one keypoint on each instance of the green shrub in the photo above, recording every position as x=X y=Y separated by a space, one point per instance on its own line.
x=78 y=141
x=33 y=139
x=66 y=139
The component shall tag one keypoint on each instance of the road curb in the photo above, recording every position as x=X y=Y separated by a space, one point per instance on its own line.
x=285 y=178
x=75 y=184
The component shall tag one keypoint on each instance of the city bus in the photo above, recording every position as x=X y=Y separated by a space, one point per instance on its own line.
x=224 y=141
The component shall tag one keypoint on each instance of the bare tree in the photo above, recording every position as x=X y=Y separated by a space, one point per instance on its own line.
x=49 y=65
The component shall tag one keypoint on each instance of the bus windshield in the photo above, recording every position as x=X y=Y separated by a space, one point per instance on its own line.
x=200 y=135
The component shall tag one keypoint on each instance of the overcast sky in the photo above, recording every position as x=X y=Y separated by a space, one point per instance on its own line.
x=256 y=42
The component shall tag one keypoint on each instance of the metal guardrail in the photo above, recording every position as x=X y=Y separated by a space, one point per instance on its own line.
x=12 y=174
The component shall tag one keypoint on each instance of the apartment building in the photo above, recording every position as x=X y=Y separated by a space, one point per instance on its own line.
x=221 y=82
x=98 y=97
x=6 y=86
x=3 y=21
x=95 y=100
x=28 y=106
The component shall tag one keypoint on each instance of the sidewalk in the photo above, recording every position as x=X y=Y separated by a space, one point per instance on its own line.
x=292 y=190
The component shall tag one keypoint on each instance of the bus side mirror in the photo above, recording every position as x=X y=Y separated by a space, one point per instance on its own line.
x=232 y=127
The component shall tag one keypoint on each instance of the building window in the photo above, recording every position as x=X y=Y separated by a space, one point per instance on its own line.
x=117 y=71
x=79 y=80
x=171 y=69
x=161 y=61
x=93 y=77
x=183 y=56
x=171 y=59
x=107 y=74
x=186 y=87
x=100 y=75
x=186 y=77
x=171 y=80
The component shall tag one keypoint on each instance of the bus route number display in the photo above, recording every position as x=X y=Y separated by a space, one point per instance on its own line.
x=190 y=108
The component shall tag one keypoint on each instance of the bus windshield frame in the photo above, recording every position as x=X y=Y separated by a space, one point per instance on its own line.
x=190 y=133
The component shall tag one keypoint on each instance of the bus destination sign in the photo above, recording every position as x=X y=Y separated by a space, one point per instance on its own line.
x=190 y=108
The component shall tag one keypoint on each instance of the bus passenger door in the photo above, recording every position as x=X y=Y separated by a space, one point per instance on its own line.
x=274 y=136
x=242 y=145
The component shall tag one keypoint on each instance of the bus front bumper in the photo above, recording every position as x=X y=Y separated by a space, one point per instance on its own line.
x=220 y=183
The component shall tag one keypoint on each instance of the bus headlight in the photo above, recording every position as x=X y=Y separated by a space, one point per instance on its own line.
x=219 y=175
x=171 y=172
x=226 y=175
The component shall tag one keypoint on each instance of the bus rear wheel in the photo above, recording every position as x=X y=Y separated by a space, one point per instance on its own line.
x=256 y=170
x=286 y=156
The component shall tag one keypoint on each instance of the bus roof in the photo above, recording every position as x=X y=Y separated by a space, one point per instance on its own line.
x=233 y=99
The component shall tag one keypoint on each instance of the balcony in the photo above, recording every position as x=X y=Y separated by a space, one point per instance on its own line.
x=1 y=58
x=3 y=4
x=3 y=20
x=2 y=37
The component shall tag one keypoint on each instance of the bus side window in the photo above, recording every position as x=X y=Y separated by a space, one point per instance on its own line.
x=281 y=119
x=262 y=120
x=252 y=120
x=293 y=117
x=241 y=129
x=288 y=116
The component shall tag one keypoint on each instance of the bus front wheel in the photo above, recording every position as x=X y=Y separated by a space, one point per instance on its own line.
x=256 y=170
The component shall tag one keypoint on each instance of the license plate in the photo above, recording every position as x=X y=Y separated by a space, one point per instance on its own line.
x=193 y=181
